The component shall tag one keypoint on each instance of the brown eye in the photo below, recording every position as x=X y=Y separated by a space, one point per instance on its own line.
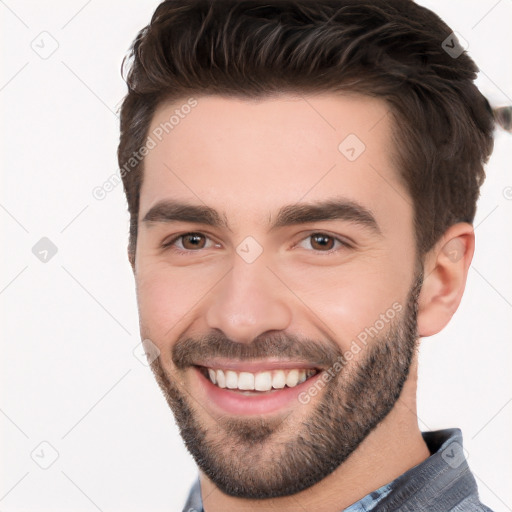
x=322 y=242
x=192 y=241
x=188 y=243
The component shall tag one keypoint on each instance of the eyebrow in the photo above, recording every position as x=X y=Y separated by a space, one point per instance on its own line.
x=177 y=211
x=167 y=211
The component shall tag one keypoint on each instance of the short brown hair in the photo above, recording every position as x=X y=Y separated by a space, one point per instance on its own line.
x=391 y=49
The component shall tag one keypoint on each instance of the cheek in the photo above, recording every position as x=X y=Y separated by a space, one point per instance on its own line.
x=163 y=301
x=351 y=300
x=169 y=297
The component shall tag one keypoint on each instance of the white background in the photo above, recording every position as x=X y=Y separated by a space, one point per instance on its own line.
x=68 y=374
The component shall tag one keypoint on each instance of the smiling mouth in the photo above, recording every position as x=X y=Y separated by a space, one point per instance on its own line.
x=259 y=381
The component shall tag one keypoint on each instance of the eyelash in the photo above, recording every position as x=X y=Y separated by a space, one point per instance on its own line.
x=169 y=245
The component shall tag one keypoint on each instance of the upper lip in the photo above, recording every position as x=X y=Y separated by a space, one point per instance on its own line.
x=253 y=366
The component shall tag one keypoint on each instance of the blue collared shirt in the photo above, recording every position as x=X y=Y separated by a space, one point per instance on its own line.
x=441 y=483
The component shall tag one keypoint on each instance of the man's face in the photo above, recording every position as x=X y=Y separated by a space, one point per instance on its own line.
x=283 y=269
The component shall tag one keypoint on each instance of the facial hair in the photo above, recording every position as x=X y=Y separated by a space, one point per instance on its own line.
x=257 y=457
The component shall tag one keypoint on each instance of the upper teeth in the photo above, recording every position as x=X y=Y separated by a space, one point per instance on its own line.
x=261 y=381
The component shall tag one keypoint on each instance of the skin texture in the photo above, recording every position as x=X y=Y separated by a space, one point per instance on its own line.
x=247 y=160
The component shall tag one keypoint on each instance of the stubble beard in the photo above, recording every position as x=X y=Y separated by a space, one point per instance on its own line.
x=258 y=457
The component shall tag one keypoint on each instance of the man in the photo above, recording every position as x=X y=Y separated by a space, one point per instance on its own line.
x=302 y=180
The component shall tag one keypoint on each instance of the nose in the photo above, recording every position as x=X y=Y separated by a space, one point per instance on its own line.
x=247 y=302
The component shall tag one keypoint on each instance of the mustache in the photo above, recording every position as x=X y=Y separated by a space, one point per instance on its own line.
x=188 y=351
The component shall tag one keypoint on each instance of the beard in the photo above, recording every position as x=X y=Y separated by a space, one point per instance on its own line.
x=259 y=457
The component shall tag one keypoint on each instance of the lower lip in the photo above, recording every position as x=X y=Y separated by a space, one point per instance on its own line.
x=235 y=402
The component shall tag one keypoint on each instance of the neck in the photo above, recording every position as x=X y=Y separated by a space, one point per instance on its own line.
x=393 y=447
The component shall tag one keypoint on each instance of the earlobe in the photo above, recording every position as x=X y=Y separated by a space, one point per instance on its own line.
x=446 y=269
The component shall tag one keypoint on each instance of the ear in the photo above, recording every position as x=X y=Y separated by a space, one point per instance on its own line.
x=445 y=272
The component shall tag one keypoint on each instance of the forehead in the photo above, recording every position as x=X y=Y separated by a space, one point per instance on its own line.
x=256 y=155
